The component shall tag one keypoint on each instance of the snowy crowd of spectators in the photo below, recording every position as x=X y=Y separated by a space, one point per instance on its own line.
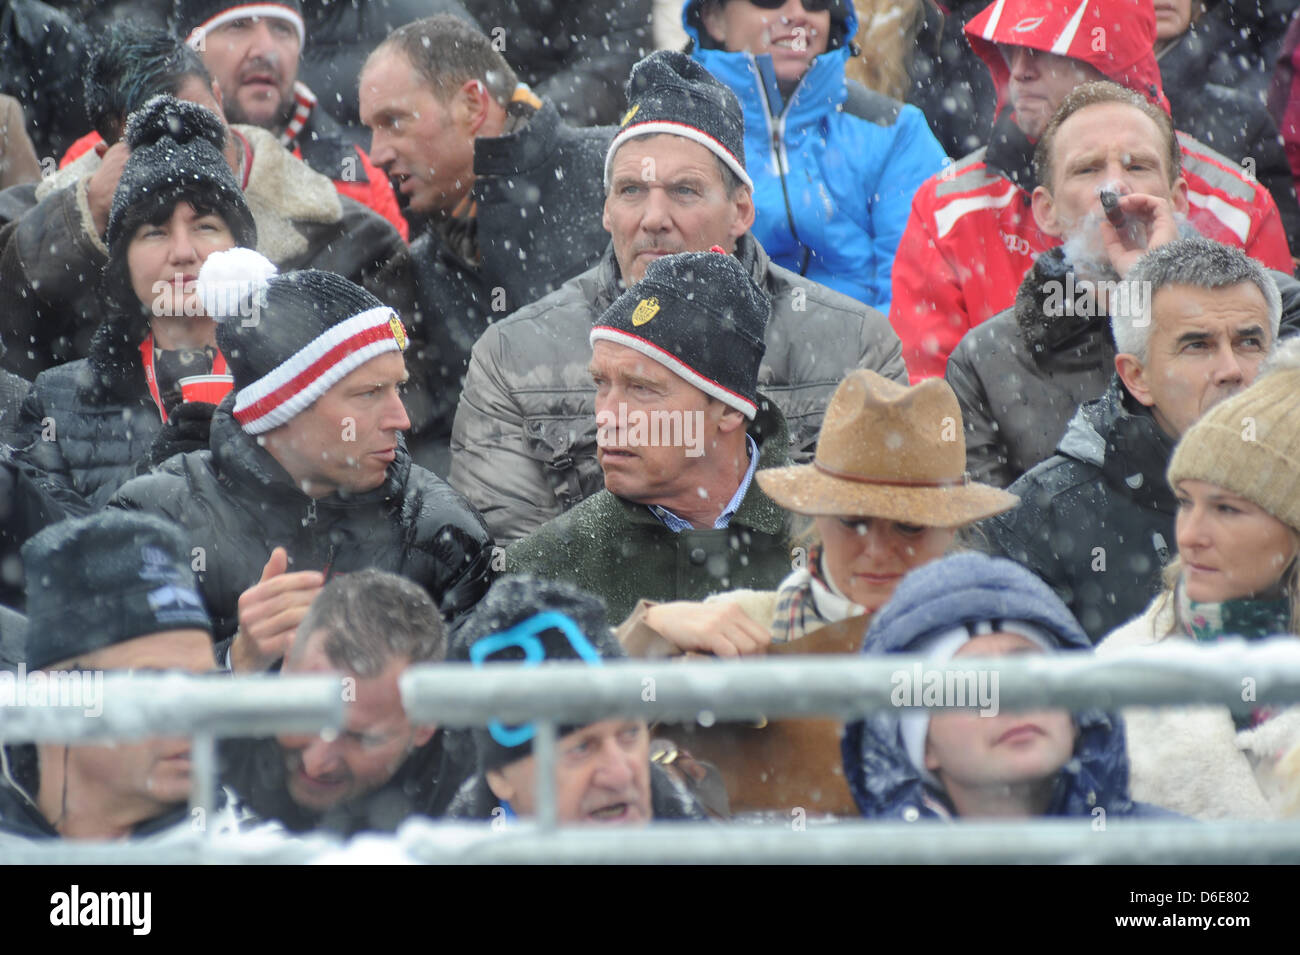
x=345 y=337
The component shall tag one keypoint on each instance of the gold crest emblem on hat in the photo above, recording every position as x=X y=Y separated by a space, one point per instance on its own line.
x=629 y=114
x=646 y=309
x=399 y=331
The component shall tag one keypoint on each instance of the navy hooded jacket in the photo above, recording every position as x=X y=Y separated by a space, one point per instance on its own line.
x=968 y=588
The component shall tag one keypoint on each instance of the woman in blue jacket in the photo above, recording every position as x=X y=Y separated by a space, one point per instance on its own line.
x=834 y=165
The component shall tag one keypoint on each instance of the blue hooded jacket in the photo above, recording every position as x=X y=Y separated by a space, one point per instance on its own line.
x=968 y=588
x=834 y=168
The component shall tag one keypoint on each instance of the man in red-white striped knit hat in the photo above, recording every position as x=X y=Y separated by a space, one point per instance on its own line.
x=253 y=49
x=306 y=467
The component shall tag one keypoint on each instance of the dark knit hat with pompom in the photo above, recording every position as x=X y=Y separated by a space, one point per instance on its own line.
x=176 y=154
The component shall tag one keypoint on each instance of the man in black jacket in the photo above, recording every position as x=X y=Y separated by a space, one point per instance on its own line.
x=603 y=772
x=367 y=627
x=1020 y=375
x=506 y=183
x=108 y=592
x=306 y=462
x=253 y=53
x=1096 y=521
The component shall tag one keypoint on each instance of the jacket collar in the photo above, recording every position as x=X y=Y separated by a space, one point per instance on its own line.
x=114 y=359
x=1011 y=153
x=753 y=78
x=1058 y=317
x=757 y=511
x=529 y=147
x=1122 y=438
x=239 y=457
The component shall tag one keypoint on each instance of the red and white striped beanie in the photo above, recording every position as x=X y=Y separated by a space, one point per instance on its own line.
x=289 y=338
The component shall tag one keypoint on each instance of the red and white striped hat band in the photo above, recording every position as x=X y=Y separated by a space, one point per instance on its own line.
x=246 y=11
x=294 y=385
x=604 y=333
x=655 y=127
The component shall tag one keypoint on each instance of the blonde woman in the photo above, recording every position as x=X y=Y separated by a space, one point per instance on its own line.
x=1236 y=474
x=887 y=492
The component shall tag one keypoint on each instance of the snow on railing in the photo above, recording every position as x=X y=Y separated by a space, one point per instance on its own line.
x=1237 y=675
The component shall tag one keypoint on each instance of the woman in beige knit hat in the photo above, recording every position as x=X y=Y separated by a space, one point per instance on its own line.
x=887 y=492
x=1236 y=474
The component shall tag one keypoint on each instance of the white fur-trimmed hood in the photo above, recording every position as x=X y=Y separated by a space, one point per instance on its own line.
x=1193 y=759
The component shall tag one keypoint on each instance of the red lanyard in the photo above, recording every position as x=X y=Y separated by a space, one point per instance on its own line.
x=146 y=356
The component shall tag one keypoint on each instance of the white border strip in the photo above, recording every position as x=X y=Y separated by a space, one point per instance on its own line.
x=270 y=11
x=603 y=333
x=676 y=129
x=295 y=405
x=312 y=352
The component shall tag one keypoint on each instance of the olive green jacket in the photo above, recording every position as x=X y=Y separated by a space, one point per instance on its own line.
x=619 y=551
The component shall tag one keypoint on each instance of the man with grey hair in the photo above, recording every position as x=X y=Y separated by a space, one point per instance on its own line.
x=366 y=627
x=1021 y=375
x=524 y=441
x=1194 y=321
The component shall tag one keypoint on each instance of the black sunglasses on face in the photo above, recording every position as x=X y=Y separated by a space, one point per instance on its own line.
x=812 y=6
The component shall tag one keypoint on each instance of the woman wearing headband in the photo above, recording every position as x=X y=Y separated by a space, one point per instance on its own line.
x=834 y=165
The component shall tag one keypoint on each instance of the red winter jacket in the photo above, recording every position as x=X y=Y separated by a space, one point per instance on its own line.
x=971 y=236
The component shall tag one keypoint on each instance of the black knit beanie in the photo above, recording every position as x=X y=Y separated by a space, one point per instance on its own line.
x=176 y=155
x=192 y=19
x=700 y=315
x=523 y=615
x=101 y=580
x=290 y=338
x=669 y=92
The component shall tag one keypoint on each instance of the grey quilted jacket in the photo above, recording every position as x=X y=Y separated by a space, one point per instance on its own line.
x=524 y=440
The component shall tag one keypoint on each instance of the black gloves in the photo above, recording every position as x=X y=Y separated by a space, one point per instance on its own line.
x=186 y=430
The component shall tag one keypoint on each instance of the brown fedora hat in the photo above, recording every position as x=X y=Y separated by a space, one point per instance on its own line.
x=889 y=451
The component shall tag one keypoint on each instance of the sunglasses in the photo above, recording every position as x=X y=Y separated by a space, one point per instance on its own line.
x=526 y=636
x=812 y=6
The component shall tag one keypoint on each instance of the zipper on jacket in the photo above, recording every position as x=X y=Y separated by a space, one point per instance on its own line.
x=776 y=140
x=311 y=513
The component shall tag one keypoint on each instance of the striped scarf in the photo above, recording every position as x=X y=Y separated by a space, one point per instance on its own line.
x=807 y=600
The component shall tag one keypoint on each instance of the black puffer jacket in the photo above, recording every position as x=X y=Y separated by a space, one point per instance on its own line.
x=1096 y=521
x=576 y=54
x=87 y=426
x=950 y=84
x=235 y=504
